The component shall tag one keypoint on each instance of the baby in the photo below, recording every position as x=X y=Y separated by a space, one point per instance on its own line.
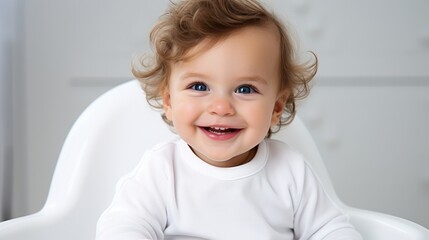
x=226 y=76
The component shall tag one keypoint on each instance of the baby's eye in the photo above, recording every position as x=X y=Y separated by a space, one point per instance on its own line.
x=246 y=89
x=199 y=86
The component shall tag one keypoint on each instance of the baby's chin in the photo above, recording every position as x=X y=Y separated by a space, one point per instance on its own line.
x=222 y=160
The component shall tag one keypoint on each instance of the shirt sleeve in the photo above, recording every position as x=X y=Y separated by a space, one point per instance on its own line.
x=317 y=216
x=138 y=209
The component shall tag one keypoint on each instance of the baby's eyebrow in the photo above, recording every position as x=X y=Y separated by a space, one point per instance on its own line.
x=254 y=78
x=250 y=78
x=193 y=75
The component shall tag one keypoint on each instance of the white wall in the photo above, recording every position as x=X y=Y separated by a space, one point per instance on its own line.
x=8 y=29
x=369 y=108
x=368 y=111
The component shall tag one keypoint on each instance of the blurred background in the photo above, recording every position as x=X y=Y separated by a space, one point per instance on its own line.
x=368 y=112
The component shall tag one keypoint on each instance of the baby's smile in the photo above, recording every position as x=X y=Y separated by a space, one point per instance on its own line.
x=220 y=130
x=220 y=133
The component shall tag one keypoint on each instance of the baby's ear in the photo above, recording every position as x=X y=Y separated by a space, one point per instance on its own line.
x=166 y=103
x=279 y=108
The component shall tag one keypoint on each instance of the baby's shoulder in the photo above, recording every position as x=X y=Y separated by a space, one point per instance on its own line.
x=284 y=158
x=164 y=148
x=287 y=166
x=160 y=156
x=281 y=150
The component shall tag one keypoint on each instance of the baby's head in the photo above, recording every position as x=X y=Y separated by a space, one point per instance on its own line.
x=187 y=24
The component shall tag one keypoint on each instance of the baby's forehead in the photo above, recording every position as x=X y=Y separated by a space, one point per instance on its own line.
x=243 y=54
x=245 y=33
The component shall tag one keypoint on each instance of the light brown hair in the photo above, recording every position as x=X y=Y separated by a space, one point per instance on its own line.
x=187 y=23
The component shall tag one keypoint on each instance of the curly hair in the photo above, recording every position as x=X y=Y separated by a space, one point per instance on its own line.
x=187 y=23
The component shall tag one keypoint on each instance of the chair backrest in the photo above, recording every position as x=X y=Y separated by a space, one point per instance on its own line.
x=107 y=142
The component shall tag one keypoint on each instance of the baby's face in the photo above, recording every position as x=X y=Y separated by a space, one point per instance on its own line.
x=223 y=100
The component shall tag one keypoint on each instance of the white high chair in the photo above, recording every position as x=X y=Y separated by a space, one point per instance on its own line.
x=108 y=140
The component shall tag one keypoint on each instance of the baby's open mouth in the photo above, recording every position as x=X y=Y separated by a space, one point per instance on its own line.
x=220 y=130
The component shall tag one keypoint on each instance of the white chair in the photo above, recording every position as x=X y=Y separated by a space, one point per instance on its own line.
x=108 y=140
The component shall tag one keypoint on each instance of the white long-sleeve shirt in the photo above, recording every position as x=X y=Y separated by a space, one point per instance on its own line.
x=172 y=194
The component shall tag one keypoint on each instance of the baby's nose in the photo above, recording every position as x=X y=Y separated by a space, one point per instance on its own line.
x=221 y=106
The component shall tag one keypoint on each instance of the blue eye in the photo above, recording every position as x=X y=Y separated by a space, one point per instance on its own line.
x=245 y=89
x=199 y=87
